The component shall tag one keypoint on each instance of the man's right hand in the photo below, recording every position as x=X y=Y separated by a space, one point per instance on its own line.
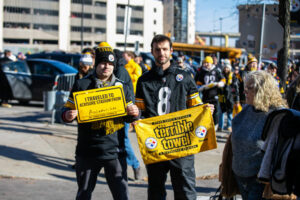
x=70 y=115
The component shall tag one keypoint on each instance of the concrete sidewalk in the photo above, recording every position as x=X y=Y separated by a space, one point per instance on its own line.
x=32 y=148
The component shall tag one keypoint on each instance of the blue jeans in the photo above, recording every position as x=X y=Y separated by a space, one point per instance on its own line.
x=130 y=157
x=250 y=188
x=229 y=120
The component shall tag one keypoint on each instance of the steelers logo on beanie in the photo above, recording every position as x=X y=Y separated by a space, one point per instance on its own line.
x=104 y=53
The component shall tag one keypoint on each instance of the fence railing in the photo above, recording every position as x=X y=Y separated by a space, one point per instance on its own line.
x=64 y=82
x=55 y=99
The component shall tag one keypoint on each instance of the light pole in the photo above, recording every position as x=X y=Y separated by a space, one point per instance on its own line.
x=127 y=24
x=221 y=18
x=81 y=30
x=262 y=34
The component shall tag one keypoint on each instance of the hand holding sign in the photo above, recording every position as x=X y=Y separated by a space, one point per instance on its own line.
x=133 y=110
x=211 y=106
x=70 y=115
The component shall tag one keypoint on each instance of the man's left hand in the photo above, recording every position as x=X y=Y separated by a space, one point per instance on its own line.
x=212 y=108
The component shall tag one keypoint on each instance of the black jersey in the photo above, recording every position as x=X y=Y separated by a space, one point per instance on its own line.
x=161 y=94
x=206 y=77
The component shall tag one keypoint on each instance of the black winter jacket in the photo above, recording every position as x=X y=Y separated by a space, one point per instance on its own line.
x=94 y=143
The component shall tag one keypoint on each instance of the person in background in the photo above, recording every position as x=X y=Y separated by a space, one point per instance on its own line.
x=100 y=144
x=123 y=75
x=251 y=66
x=209 y=79
x=294 y=71
x=139 y=60
x=134 y=70
x=85 y=66
x=91 y=52
x=272 y=69
x=262 y=97
x=228 y=96
x=184 y=65
x=216 y=62
x=5 y=91
x=21 y=56
x=7 y=56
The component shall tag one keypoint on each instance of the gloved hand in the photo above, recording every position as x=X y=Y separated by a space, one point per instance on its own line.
x=207 y=86
x=221 y=84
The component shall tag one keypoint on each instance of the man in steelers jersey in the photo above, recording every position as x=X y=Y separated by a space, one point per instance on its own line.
x=209 y=79
x=165 y=89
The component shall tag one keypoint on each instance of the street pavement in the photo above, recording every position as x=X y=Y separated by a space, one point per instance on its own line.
x=36 y=158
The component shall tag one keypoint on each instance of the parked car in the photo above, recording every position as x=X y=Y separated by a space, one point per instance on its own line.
x=28 y=79
x=68 y=58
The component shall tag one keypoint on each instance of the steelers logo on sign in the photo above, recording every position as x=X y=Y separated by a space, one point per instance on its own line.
x=179 y=77
x=111 y=58
x=151 y=143
x=200 y=131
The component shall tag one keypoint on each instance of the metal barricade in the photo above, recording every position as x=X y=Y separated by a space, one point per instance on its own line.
x=54 y=100
x=64 y=82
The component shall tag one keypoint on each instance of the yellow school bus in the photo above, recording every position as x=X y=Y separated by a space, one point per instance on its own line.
x=195 y=50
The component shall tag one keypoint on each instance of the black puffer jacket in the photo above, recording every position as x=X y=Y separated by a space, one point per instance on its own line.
x=93 y=142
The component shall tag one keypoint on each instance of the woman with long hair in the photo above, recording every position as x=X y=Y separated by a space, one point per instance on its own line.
x=262 y=97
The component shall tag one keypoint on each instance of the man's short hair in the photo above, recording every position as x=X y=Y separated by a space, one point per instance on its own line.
x=160 y=38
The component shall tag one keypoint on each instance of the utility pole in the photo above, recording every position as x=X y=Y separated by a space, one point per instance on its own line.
x=283 y=53
x=126 y=28
x=81 y=29
x=220 y=30
x=262 y=33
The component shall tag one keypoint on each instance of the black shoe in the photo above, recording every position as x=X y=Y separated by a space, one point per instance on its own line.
x=137 y=173
x=220 y=129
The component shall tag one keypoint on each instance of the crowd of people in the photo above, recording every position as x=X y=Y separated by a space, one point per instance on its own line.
x=241 y=96
x=225 y=86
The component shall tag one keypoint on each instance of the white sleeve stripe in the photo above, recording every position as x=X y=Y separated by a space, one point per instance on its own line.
x=193 y=97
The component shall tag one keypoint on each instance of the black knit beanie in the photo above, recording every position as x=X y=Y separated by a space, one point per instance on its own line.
x=104 y=53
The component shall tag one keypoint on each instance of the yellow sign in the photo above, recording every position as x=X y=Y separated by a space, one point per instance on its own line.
x=176 y=134
x=99 y=104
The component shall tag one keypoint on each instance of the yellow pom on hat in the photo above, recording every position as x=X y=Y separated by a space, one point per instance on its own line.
x=251 y=59
x=104 y=44
x=250 y=55
x=208 y=59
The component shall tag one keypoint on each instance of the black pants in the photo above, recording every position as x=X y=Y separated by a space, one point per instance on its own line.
x=182 y=173
x=216 y=103
x=87 y=170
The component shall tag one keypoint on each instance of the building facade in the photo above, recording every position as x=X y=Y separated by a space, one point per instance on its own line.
x=46 y=25
x=179 y=17
x=250 y=27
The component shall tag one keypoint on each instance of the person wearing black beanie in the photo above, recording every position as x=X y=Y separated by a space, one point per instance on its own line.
x=100 y=144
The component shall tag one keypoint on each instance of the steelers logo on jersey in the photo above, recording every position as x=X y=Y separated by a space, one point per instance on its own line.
x=179 y=77
x=151 y=143
x=200 y=131
x=118 y=83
